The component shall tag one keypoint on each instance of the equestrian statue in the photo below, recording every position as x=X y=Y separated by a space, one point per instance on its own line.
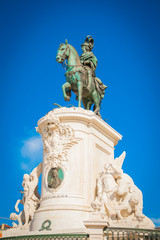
x=80 y=75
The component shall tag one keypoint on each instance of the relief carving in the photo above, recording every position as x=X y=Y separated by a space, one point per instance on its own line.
x=57 y=140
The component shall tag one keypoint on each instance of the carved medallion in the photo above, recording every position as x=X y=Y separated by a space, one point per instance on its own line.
x=55 y=177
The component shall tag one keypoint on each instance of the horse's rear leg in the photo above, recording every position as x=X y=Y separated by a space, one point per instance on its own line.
x=96 y=100
x=89 y=105
x=86 y=103
x=84 y=100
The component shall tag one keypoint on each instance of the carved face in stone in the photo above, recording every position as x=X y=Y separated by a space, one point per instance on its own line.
x=13 y=216
x=51 y=125
x=25 y=182
x=55 y=177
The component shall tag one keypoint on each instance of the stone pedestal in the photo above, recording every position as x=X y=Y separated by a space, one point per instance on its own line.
x=83 y=188
x=77 y=144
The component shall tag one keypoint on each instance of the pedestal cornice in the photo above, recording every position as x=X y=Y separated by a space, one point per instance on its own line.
x=78 y=115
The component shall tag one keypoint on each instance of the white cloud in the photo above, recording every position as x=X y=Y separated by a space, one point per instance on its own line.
x=156 y=220
x=31 y=152
x=25 y=166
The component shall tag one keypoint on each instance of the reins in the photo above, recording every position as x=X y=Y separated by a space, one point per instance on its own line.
x=64 y=63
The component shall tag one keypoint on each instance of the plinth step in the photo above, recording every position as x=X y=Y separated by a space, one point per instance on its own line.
x=50 y=237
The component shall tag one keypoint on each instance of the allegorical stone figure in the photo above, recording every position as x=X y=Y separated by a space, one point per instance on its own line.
x=118 y=198
x=30 y=200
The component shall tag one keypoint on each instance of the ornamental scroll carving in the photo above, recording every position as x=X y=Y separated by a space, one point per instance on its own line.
x=57 y=140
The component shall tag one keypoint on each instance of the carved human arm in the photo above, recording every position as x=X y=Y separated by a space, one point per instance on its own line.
x=17 y=203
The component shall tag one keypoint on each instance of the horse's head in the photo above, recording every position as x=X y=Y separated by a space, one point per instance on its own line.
x=63 y=52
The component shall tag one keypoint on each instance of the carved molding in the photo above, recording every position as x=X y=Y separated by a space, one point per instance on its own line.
x=73 y=109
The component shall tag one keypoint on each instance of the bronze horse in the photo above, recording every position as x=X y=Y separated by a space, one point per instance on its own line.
x=76 y=80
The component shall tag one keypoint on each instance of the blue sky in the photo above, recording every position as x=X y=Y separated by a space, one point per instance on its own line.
x=127 y=46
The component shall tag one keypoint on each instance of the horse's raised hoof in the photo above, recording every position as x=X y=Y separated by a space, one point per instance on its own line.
x=67 y=98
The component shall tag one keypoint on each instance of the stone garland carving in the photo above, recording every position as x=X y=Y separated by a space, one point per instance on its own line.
x=57 y=140
x=118 y=199
x=30 y=200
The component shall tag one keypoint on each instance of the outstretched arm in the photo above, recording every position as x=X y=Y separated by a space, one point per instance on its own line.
x=17 y=203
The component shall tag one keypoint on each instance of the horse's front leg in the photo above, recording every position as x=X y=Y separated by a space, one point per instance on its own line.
x=80 y=89
x=66 y=86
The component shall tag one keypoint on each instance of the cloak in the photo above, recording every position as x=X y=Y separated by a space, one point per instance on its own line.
x=89 y=57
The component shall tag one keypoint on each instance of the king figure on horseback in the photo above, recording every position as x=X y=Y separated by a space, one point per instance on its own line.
x=89 y=60
x=80 y=75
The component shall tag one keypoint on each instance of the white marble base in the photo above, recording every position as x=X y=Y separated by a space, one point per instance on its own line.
x=81 y=144
x=90 y=148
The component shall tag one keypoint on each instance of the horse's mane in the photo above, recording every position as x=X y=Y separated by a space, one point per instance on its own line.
x=75 y=51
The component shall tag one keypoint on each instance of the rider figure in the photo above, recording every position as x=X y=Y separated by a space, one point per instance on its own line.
x=88 y=59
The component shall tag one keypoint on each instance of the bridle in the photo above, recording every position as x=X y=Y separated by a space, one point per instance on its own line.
x=65 y=65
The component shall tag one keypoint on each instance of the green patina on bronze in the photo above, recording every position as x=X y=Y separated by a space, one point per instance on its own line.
x=80 y=75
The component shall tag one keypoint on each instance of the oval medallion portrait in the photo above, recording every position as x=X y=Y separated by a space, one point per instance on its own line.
x=55 y=177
